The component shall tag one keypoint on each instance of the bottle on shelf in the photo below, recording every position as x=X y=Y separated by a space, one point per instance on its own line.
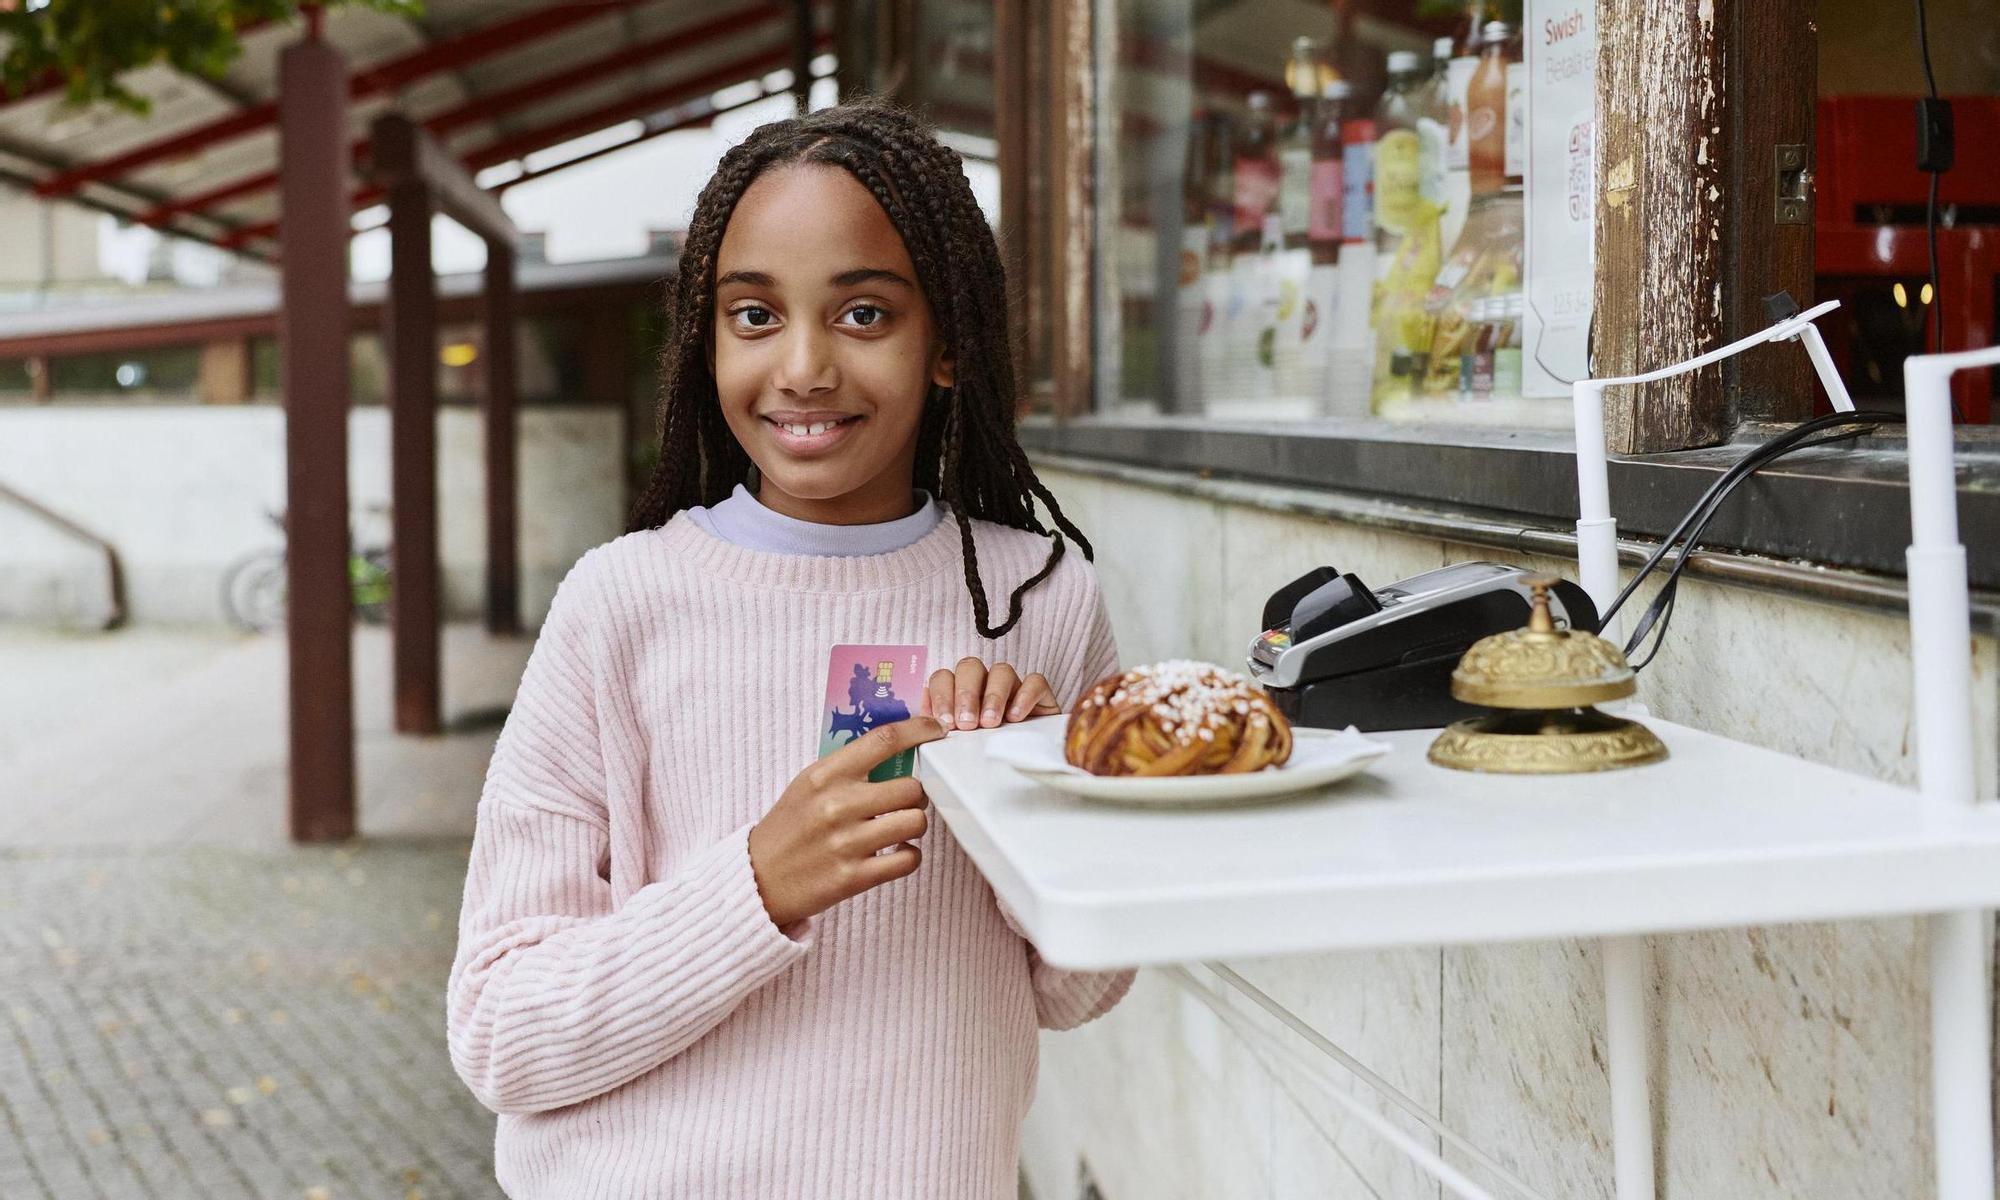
x=1255 y=177
x=1295 y=146
x=1193 y=317
x=1507 y=346
x=1446 y=186
x=1291 y=376
x=1268 y=309
x=1406 y=233
x=1217 y=281
x=1433 y=122
x=1398 y=145
x=1475 y=372
x=1324 y=213
x=1515 y=156
x=1256 y=173
x=1459 y=70
x=1351 y=353
x=1458 y=77
x=1486 y=109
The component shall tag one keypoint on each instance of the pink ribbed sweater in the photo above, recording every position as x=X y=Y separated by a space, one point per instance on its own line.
x=620 y=996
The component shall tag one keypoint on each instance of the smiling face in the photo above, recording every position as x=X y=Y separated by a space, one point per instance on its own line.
x=823 y=347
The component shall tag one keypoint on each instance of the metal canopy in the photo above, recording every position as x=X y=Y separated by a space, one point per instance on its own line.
x=493 y=83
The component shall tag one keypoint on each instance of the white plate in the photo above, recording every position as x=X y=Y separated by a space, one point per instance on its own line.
x=1320 y=757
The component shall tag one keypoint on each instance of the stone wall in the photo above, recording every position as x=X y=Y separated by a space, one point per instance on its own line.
x=182 y=491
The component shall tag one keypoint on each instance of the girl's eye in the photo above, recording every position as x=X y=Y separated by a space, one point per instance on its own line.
x=754 y=317
x=864 y=315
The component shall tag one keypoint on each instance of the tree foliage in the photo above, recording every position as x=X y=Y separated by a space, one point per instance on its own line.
x=89 y=44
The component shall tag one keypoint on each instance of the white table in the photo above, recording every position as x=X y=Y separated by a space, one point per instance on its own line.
x=1720 y=834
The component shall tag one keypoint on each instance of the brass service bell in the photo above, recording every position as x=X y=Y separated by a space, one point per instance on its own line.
x=1545 y=681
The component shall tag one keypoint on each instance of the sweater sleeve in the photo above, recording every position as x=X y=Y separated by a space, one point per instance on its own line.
x=556 y=993
x=1067 y=999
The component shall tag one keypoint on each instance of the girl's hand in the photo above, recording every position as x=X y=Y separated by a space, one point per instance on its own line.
x=984 y=699
x=817 y=846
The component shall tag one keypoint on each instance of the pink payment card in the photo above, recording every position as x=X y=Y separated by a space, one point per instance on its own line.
x=868 y=686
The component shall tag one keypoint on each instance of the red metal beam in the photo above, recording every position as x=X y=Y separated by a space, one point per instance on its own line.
x=648 y=135
x=585 y=74
x=741 y=71
x=497 y=104
x=440 y=56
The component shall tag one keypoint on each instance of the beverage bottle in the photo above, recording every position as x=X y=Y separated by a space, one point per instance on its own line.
x=1406 y=233
x=1256 y=173
x=1433 y=122
x=1398 y=151
x=1475 y=378
x=1267 y=310
x=1516 y=155
x=1357 y=179
x=1295 y=150
x=1486 y=111
x=1291 y=376
x=1219 y=285
x=1458 y=77
x=1326 y=196
x=1193 y=316
x=1507 y=346
x=1351 y=351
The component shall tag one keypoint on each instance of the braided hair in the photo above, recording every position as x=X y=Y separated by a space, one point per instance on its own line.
x=967 y=453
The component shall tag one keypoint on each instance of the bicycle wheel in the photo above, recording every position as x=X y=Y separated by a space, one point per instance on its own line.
x=253 y=593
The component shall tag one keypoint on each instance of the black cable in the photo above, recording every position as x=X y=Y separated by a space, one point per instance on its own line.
x=1659 y=614
x=1751 y=461
x=1931 y=207
x=1695 y=524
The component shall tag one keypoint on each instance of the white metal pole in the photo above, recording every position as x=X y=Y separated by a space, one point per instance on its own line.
x=1596 y=529
x=1626 y=1038
x=1627 y=1028
x=1829 y=378
x=1941 y=650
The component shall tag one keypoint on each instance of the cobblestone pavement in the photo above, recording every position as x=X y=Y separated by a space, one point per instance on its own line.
x=217 y=1023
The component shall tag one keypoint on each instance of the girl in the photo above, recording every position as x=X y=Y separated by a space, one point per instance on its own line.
x=693 y=961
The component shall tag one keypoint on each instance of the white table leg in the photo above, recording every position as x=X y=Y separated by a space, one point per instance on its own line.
x=1626 y=1031
x=1962 y=1055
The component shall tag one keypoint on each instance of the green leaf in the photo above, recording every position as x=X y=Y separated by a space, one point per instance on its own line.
x=90 y=45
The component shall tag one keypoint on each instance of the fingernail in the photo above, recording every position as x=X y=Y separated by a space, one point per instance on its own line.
x=992 y=714
x=965 y=716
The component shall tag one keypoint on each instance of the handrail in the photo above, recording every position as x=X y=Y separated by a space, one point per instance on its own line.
x=114 y=572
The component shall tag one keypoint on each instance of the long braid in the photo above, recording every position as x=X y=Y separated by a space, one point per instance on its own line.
x=967 y=450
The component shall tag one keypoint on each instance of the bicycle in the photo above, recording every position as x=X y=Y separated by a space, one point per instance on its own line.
x=253 y=587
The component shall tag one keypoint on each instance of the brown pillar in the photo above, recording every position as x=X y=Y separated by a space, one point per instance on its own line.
x=409 y=327
x=503 y=568
x=312 y=327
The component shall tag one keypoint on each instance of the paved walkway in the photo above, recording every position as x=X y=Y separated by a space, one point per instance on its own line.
x=193 y=1007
